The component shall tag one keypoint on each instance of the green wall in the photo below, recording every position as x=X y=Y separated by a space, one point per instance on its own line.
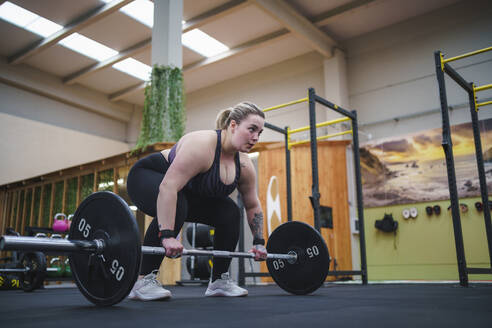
x=423 y=247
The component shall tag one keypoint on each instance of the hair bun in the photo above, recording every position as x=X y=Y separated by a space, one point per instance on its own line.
x=222 y=118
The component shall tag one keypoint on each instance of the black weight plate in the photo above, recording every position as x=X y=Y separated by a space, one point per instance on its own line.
x=204 y=235
x=3 y=281
x=34 y=277
x=108 y=278
x=309 y=272
x=203 y=266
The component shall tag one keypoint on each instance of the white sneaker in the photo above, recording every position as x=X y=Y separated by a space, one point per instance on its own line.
x=149 y=289
x=225 y=287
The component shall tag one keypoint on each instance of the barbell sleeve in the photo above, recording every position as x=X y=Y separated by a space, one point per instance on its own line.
x=24 y=270
x=51 y=244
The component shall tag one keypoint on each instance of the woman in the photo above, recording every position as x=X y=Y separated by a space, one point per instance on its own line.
x=191 y=182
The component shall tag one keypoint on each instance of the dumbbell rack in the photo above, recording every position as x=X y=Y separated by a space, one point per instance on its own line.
x=36 y=231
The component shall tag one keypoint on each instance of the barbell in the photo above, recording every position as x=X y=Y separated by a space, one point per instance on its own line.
x=105 y=251
x=31 y=270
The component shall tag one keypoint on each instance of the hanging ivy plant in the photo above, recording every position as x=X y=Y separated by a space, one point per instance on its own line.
x=163 y=115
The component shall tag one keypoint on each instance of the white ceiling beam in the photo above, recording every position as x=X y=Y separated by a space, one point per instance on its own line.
x=118 y=95
x=240 y=49
x=191 y=24
x=286 y=15
x=133 y=50
x=248 y=46
x=32 y=80
x=74 y=26
x=319 y=20
x=214 y=14
x=324 y=18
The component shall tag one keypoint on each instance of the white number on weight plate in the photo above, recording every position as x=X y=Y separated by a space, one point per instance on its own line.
x=84 y=227
x=117 y=270
x=278 y=264
x=312 y=251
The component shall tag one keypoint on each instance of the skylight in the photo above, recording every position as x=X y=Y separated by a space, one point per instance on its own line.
x=16 y=15
x=196 y=40
x=28 y=20
x=203 y=43
x=88 y=47
x=134 y=68
x=43 y=27
x=140 y=10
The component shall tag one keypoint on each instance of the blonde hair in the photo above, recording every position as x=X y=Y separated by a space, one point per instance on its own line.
x=236 y=113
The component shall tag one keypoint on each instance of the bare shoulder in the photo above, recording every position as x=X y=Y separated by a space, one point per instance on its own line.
x=197 y=147
x=200 y=137
x=247 y=166
x=202 y=141
x=197 y=140
x=245 y=160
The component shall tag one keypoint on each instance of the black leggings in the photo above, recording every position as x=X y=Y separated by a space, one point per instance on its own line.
x=222 y=213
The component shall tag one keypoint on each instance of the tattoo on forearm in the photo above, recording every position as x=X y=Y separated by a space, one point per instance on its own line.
x=256 y=225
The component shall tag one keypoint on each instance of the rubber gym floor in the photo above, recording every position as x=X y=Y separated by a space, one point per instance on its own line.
x=333 y=305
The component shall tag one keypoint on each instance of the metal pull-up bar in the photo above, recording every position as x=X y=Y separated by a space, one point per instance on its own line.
x=286 y=104
x=469 y=54
x=312 y=99
x=320 y=138
x=485 y=103
x=306 y=128
x=442 y=67
x=481 y=88
x=458 y=79
x=318 y=125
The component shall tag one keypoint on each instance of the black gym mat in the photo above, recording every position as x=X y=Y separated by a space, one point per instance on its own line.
x=413 y=305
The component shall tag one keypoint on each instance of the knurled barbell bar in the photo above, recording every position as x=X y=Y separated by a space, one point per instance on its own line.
x=105 y=251
x=97 y=246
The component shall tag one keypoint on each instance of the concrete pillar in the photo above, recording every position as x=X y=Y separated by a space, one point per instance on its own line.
x=133 y=127
x=166 y=33
x=167 y=50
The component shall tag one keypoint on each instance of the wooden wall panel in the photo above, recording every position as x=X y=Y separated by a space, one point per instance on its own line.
x=332 y=186
x=271 y=162
x=334 y=193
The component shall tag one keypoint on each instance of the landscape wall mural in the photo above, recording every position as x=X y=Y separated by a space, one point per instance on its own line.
x=412 y=168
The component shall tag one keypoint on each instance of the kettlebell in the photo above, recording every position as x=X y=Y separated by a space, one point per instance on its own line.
x=60 y=225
